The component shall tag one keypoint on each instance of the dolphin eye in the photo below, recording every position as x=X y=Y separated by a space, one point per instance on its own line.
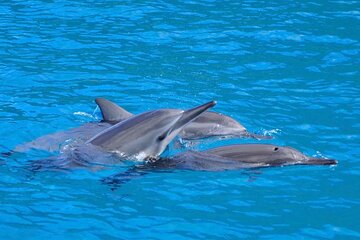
x=161 y=137
x=276 y=149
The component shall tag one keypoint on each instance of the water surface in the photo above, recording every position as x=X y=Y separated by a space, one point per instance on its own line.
x=290 y=70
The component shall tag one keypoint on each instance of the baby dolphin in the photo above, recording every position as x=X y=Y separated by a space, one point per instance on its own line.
x=209 y=124
x=146 y=135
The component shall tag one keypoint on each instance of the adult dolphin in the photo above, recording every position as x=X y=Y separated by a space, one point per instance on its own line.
x=231 y=157
x=209 y=124
x=141 y=137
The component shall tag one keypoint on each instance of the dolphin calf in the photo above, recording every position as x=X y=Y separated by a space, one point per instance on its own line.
x=267 y=155
x=209 y=124
x=232 y=157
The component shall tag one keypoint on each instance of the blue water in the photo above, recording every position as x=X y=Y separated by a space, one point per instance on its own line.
x=288 y=69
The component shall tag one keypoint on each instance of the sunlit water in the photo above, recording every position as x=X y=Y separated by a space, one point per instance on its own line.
x=288 y=69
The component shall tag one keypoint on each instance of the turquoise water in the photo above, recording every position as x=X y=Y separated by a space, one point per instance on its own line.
x=288 y=69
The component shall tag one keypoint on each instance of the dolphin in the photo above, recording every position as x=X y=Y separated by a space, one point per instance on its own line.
x=267 y=155
x=240 y=156
x=141 y=137
x=231 y=157
x=209 y=124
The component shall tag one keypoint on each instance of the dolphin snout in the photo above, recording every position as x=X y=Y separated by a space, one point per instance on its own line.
x=321 y=161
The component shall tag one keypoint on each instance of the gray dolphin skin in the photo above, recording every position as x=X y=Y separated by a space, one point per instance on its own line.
x=147 y=134
x=209 y=124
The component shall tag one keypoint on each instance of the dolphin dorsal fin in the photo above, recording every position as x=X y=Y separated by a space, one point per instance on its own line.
x=111 y=112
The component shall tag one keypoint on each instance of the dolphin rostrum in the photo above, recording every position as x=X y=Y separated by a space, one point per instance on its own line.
x=209 y=124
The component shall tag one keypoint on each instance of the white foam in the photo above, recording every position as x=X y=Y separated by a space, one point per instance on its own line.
x=84 y=114
x=271 y=132
x=319 y=155
x=140 y=157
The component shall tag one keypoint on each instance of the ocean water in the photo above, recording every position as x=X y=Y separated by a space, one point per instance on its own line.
x=287 y=69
